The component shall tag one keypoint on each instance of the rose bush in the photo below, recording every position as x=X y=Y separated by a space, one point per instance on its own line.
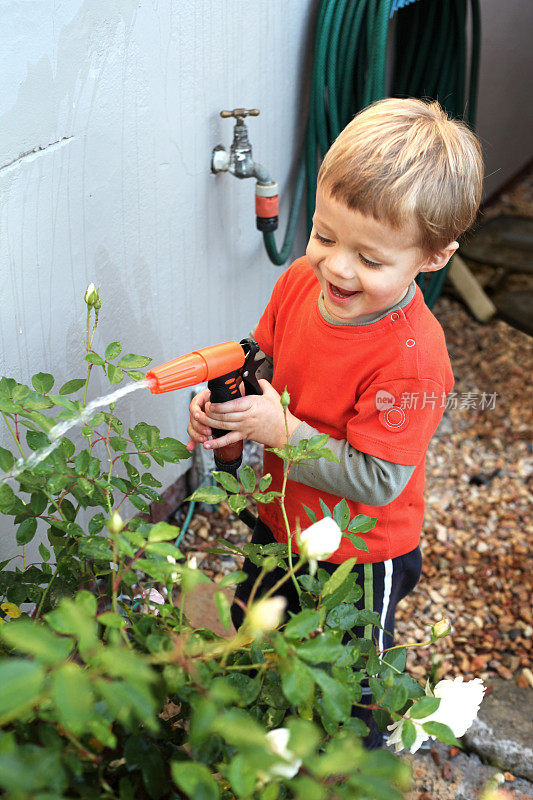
x=108 y=691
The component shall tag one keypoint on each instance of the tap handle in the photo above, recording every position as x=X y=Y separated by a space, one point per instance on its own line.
x=240 y=113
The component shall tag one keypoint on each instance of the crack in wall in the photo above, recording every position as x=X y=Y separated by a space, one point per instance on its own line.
x=29 y=155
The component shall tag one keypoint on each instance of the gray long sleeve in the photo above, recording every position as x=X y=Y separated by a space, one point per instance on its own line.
x=358 y=476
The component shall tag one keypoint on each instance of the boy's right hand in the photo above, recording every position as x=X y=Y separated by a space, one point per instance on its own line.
x=198 y=432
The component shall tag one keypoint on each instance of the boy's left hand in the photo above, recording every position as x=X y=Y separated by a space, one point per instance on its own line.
x=256 y=417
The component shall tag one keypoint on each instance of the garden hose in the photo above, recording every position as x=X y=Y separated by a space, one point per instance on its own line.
x=349 y=72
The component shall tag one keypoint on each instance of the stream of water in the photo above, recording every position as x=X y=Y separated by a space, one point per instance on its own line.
x=58 y=431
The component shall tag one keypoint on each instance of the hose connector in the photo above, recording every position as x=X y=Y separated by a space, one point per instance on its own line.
x=266 y=206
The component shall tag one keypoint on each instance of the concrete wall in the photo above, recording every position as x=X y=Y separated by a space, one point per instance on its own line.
x=109 y=110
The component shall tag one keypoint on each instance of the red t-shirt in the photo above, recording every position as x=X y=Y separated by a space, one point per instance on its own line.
x=382 y=386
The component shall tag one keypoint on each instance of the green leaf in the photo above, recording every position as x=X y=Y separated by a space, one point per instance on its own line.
x=326 y=453
x=233 y=578
x=132 y=361
x=113 y=350
x=399 y=696
x=163 y=532
x=37 y=440
x=194 y=780
x=362 y=524
x=242 y=776
x=341 y=514
x=44 y=552
x=111 y=620
x=265 y=482
x=148 y=480
x=325 y=509
x=208 y=494
x=265 y=497
x=21 y=683
x=408 y=733
x=42 y=382
x=357 y=542
x=310 y=584
x=338 y=577
x=443 y=732
x=96 y=547
x=310 y=513
x=343 y=617
x=139 y=503
x=26 y=530
x=296 y=682
x=73 y=697
x=303 y=624
x=335 y=696
x=325 y=647
x=82 y=461
x=239 y=728
x=133 y=473
x=223 y=608
x=7 y=498
x=247 y=478
x=72 y=386
x=317 y=441
x=237 y=503
x=38 y=503
x=396 y=658
x=135 y=375
x=424 y=707
x=127 y=701
x=227 y=481
x=172 y=450
x=36 y=640
x=94 y=358
x=35 y=402
x=114 y=374
x=247 y=688
x=6 y=459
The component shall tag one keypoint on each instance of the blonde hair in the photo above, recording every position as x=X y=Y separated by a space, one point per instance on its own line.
x=401 y=160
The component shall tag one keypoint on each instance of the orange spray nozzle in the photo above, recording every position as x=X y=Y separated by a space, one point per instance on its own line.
x=196 y=367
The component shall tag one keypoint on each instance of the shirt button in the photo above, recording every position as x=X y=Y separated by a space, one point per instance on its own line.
x=410 y=343
x=394 y=316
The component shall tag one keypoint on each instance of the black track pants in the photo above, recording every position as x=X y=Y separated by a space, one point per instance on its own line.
x=384 y=584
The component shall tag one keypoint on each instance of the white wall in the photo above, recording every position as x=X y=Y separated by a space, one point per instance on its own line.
x=109 y=110
x=505 y=107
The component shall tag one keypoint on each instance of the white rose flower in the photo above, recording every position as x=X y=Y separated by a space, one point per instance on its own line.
x=441 y=628
x=89 y=293
x=266 y=615
x=174 y=576
x=278 y=740
x=459 y=706
x=320 y=540
x=115 y=522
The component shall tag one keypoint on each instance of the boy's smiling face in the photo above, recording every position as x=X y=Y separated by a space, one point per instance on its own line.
x=361 y=264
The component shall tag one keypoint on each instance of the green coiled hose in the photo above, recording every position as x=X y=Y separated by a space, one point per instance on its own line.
x=349 y=72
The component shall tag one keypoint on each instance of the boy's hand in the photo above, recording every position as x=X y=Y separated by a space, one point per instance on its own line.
x=198 y=432
x=256 y=417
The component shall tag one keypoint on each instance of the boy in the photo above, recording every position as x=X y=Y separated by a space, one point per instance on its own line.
x=348 y=333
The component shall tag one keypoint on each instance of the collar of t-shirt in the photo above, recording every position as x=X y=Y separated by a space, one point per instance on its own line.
x=374 y=316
